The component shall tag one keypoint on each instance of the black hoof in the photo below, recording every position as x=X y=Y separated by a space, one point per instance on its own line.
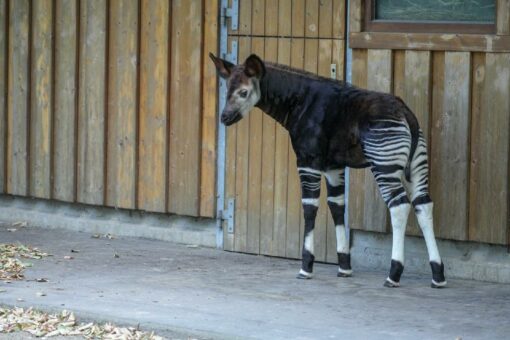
x=438 y=285
x=391 y=284
x=302 y=275
x=438 y=279
x=396 y=271
x=343 y=275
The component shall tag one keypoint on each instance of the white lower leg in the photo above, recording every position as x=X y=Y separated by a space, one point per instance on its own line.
x=399 y=216
x=424 y=215
x=309 y=242
x=342 y=245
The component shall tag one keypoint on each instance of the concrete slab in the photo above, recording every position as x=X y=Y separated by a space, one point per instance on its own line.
x=182 y=291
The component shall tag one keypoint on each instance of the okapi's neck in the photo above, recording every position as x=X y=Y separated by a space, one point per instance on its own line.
x=281 y=90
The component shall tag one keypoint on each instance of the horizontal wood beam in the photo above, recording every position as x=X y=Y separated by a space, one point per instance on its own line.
x=430 y=41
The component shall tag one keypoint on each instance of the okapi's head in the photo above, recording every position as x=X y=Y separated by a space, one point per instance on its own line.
x=243 y=86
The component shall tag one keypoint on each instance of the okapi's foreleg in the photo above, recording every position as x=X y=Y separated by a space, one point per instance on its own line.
x=335 y=182
x=310 y=192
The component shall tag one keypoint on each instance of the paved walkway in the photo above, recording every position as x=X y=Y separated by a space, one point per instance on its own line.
x=182 y=291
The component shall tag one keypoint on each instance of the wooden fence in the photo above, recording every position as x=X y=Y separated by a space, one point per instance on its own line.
x=459 y=87
x=109 y=102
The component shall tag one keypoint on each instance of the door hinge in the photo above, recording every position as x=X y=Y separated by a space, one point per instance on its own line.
x=227 y=215
x=233 y=14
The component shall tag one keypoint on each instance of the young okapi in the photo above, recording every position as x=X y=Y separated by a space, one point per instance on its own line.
x=333 y=125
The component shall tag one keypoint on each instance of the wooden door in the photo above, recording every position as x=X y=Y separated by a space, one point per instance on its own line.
x=261 y=172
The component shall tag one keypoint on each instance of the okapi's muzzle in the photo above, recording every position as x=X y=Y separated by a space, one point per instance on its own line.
x=229 y=118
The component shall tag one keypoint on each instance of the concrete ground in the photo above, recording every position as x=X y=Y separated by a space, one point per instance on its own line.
x=183 y=291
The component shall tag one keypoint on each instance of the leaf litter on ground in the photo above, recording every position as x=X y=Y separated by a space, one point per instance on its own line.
x=11 y=266
x=64 y=323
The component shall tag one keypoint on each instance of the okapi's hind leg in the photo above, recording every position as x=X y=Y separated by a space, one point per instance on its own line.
x=386 y=146
x=310 y=192
x=423 y=207
x=335 y=182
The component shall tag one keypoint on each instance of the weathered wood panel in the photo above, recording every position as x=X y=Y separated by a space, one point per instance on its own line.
x=92 y=113
x=66 y=92
x=41 y=101
x=209 y=107
x=242 y=166
x=488 y=213
x=268 y=164
x=450 y=148
x=152 y=165
x=416 y=94
x=122 y=104
x=503 y=17
x=18 y=76
x=3 y=88
x=185 y=114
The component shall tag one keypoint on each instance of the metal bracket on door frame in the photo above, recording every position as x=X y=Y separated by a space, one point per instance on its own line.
x=232 y=14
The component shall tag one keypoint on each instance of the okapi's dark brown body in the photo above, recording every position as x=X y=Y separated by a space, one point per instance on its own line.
x=326 y=118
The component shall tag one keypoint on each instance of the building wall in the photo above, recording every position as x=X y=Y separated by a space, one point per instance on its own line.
x=459 y=87
x=109 y=103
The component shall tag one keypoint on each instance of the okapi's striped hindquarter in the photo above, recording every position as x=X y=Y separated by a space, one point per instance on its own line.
x=333 y=125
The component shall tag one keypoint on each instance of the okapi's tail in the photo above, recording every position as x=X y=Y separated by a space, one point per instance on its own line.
x=414 y=128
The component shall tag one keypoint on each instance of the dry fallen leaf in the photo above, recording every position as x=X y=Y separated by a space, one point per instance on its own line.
x=42 y=279
x=19 y=224
x=11 y=230
x=43 y=324
x=40 y=294
x=67 y=257
x=74 y=251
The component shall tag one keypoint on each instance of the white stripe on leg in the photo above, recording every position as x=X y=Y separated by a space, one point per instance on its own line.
x=424 y=215
x=309 y=242
x=399 y=216
x=342 y=245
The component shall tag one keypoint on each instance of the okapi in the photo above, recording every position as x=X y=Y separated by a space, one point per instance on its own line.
x=333 y=125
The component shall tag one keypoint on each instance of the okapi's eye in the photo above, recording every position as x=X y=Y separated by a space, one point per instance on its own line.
x=243 y=93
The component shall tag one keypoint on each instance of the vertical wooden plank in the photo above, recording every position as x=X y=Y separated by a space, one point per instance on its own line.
x=254 y=167
x=399 y=83
x=185 y=141
x=268 y=165
x=241 y=173
x=281 y=168
x=258 y=17
x=17 y=98
x=230 y=176
x=209 y=108
x=245 y=11
x=417 y=79
x=450 y=148
x=312 y=19
x=294 y=208
x=503 y=17
x=338 y=58
x=488 y=213
x=91 y=113
x=284 y=13
x=64 y=158
x=122 y=104
x=271 y=18
x=298 y=18
x=3 y=89
x=325 y=19
x=356 y=15
x=357 y=177
x=41 y=101
x=338 y=30
x=379 y=78
x=153 y=105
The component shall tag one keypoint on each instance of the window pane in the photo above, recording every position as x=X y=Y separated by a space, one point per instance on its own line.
x=483 y=11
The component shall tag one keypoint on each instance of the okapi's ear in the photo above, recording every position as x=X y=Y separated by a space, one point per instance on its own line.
x=223 y=67
x=254 y=67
